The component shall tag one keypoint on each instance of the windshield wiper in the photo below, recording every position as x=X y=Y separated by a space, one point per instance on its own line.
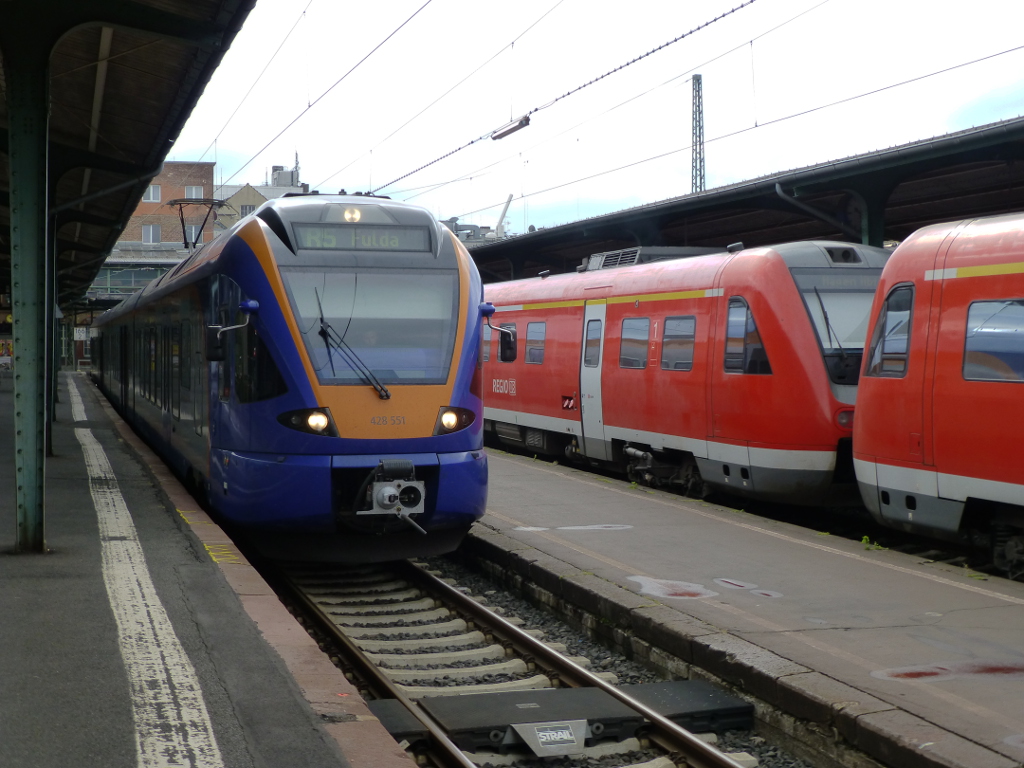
x=828 y=325
x=336 y=343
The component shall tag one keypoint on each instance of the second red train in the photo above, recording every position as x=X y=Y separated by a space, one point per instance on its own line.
x=735 y=370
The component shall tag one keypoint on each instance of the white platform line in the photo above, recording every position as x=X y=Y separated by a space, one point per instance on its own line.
x=77 y=406
x=172 y=725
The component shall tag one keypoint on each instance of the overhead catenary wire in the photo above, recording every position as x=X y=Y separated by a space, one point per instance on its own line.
x=356 y=66
x=443 y=95
x=188 y=173
x=576 y=90
x=764 y=124
x=427 y=188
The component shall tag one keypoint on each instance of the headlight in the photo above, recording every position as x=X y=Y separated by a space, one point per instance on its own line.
x=844 y=419
x=315 y=421
x=318 y=421
x=452 y=420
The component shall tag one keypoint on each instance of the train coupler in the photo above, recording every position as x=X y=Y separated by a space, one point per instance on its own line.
x=393 y=489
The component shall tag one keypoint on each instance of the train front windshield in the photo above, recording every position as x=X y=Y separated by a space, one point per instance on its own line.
x=400 y=325
x=839 y=304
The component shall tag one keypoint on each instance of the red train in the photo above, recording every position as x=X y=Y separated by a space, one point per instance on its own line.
x=737 y=370
x=941 y=403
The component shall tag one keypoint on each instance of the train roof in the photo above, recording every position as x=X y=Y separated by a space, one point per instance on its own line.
x=279 y=215
x=699 y=268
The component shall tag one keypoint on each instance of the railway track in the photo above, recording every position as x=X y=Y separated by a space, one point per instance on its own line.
x=418 y=646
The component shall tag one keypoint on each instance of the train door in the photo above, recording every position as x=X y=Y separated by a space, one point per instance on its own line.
x=977 y=401
x=123 y=364
x=595 y=445
x=898 y=356
x=738 y=360
x=200 y=373
x=229 y=423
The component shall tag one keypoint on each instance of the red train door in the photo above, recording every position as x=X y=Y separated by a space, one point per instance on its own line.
x=591 y=410
x=977 y=399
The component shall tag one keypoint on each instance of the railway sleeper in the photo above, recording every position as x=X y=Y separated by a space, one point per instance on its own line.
x=524 y=684
x=466 y=640
x=352 y=597
x=403 y=620
x=363 y=610
x=423 y=660
x=455 y=626
x=512 y=667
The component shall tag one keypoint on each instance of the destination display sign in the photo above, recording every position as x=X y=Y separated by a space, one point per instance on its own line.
x=839 y=280
x=349 y=237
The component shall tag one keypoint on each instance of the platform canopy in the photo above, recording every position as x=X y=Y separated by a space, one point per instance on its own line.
x=94 y=94
x=124 y=76
x=871 y=198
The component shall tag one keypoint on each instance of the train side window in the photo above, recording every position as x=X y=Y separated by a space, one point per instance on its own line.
x=592 y=345
x=186 y=356
x=994 y=348
x=485 y=342
x=677 y=343
x=744 y=351
x=257 y=376
x=175 y=351
x=535 y=342
x=636 y=332
x=507 y=349
x=890 y=342
x=153 y=357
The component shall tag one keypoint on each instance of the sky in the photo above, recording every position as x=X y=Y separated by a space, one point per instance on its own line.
x=365 y=94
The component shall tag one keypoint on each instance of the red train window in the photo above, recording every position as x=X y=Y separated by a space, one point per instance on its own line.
x=994 y=348
x=890 y=343
x=592 y=347
x=507 y=344
x=677 y=344
x=535 y=343
x=744 y=351
x=636 y=332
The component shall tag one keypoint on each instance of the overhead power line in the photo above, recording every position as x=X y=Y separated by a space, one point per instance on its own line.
x=574 y=90
x=758 y=126
x=336 y=83
x=443 y=95
x=426 y=188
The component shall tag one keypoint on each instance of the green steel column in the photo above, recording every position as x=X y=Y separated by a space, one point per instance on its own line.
x=874 y=220
x=51 y=370
x=27 y=75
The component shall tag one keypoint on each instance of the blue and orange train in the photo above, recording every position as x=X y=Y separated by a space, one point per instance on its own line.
x=313 y=374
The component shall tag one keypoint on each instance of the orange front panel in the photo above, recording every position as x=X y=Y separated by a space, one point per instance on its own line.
x=357 y=410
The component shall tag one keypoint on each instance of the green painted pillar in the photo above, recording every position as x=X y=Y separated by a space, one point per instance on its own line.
x=874 y=221
x=27 y=76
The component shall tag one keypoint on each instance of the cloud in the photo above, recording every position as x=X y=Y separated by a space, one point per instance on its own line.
x=998 y=104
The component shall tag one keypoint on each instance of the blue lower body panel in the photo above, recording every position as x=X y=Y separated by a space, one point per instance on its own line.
x=313 y=494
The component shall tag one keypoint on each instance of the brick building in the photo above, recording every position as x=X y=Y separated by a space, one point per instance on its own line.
x=152 y=242
x=154 y=221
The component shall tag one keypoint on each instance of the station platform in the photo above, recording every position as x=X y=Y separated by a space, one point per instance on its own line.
x=143 y=637
x=864 y=651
